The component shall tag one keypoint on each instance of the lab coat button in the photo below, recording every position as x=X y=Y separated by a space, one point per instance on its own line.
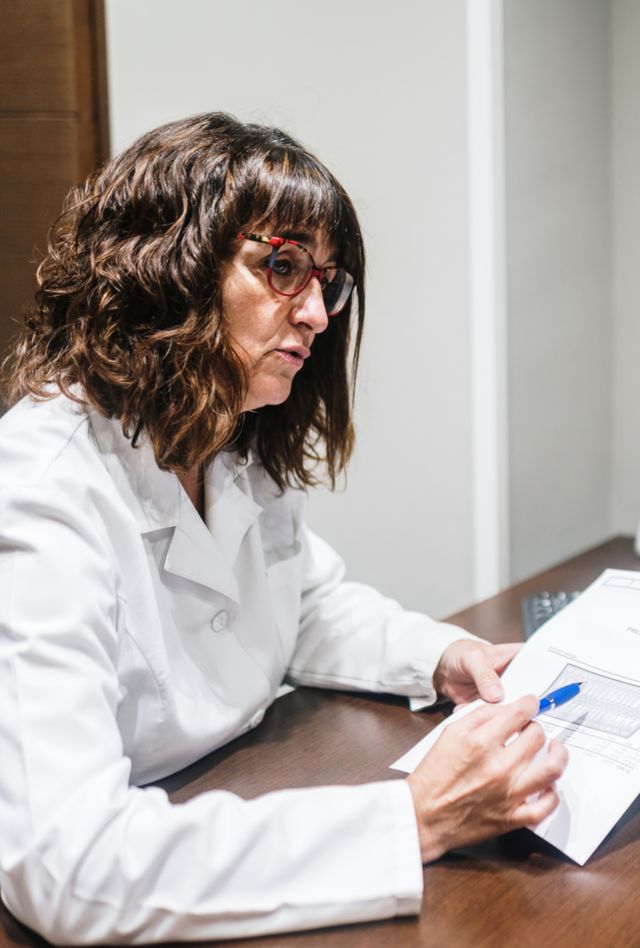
x=257 y=718
x=219 y=621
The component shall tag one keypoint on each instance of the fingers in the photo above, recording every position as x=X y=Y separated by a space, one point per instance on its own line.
x=470 y=668
x=559 y=753
x=485 y=678
x=536 y=786
x=510 y=719
x=501 y=655
x=535 y=811
x=499 y=723
x=543 y=772
x=473 y=719
x=485 y=666
x=529 y=742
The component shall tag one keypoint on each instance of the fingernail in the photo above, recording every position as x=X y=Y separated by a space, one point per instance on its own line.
x=494 y=693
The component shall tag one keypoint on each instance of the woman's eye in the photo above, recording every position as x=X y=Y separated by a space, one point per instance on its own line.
x=282 y=267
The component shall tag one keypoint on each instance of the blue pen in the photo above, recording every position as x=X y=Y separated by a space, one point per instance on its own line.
x=561 y=696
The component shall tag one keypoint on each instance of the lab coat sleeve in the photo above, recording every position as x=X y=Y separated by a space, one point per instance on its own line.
x=351 y=636
x=87 y=858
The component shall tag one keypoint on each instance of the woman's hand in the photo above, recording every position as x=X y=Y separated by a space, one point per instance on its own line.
x=471 y=787
x=468 y=669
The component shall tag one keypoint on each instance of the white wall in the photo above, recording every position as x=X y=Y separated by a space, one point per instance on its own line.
x=560 y=314
x=378 y=91
x=626 y=243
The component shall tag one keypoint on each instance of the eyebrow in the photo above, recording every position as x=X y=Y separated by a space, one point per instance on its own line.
x=300 y=236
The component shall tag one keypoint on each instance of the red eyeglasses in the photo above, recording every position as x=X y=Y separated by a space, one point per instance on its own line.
x=291 y=267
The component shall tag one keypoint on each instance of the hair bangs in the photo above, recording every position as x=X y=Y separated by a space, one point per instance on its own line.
x=291 y=192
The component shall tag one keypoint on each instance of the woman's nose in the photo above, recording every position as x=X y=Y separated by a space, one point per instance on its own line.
x=309 y=307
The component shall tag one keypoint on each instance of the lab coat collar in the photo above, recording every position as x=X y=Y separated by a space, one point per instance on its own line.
x=230 y=509
x=152 y=495
x=203 y=552
x=206 y=551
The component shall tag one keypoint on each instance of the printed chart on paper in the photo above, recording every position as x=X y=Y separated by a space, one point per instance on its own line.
x=604 y=704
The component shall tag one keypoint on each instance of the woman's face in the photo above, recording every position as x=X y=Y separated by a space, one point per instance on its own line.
x=272 y=334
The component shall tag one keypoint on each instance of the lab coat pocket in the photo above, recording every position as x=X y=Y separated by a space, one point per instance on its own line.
x=285 y=588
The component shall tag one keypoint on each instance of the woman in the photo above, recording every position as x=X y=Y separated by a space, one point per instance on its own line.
x=184 y=374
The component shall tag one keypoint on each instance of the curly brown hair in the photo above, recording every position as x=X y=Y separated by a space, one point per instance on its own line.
x=128 y=314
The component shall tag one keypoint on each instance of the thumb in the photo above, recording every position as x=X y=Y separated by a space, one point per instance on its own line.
x=486 y=679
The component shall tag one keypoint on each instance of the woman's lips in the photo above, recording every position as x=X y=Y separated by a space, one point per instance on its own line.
x=295 y=355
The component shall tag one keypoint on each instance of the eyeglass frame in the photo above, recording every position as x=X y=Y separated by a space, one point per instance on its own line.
x=314 y=271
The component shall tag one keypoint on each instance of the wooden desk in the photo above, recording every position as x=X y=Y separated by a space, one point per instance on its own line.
x=516 y=891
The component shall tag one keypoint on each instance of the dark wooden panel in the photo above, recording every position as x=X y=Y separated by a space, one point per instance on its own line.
x=89 y=54
x=97 y=79
x=39 y=161
x=16 y=293
x=37 y=56
x=53 y=128
x=38 y=165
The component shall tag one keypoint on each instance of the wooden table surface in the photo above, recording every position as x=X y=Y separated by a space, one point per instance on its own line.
x=515 y=891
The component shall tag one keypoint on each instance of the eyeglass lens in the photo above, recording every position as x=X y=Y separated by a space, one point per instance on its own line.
x=291 y=268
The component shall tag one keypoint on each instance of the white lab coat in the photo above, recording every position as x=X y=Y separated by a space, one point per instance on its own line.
x=134 y=639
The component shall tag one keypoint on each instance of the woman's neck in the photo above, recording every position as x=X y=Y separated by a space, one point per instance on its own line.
x=193 y=483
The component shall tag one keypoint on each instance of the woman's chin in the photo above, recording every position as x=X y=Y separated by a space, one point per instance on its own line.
x=271 y=395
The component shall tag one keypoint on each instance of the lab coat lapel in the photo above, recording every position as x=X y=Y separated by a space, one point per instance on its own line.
x=199 y=552
x=206 y=551
x=152 y=495
x=193 y=554
x=230 y=509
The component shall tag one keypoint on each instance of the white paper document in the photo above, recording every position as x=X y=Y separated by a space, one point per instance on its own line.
x=594 y=640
